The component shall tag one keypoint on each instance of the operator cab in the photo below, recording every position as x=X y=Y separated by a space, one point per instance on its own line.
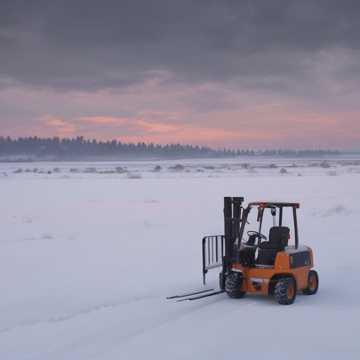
x=260 y=250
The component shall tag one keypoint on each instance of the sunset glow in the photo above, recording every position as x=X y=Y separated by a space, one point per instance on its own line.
x=245 y=87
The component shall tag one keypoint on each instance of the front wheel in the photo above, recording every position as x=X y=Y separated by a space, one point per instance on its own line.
x=233 y=284
x=285 y=291
x=313 y=283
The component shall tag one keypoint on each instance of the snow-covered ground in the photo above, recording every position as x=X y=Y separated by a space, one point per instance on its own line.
x=89 y=251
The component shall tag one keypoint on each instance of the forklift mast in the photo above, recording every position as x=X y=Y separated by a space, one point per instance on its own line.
x=232 y=220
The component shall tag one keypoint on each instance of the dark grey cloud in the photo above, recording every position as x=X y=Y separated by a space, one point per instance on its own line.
x=88 y=44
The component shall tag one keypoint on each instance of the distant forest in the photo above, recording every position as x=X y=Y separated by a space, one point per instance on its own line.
x=79 y=148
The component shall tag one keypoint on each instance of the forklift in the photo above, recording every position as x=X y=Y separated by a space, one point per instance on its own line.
x=252 y=262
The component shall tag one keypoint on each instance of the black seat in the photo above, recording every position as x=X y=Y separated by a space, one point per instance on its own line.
x=247 y=256
x=278 y=239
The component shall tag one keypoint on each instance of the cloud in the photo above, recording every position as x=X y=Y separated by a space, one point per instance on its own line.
x=88 y=45
x=224 y=73
x=104 y=120
x=59 y=126
x=141 y=129
x=129 y=124
x=147 y=130
x=154 y=113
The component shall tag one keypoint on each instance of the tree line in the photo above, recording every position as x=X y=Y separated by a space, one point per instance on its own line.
x=80 y=148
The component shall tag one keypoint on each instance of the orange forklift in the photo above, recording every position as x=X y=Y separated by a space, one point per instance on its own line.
x=252 y=262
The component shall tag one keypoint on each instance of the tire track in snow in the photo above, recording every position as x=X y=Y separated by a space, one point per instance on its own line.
x=70 y=316
x=115 y=341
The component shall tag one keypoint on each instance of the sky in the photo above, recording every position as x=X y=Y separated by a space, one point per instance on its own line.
x=235 y=74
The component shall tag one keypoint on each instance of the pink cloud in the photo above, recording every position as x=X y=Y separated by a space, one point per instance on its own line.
x=143 y=130
x=209 y=114
x=60 y=126
x=306 y=129
x=158 y=127
x=104 y=120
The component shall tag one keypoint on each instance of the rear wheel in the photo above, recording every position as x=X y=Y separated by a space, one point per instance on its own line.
x=233 y=284
x=313 y=283
x=285 y=291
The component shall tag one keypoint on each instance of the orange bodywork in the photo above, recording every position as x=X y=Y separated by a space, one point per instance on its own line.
x=259 y=279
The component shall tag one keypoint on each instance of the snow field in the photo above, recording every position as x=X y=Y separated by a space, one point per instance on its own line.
x=86 y=263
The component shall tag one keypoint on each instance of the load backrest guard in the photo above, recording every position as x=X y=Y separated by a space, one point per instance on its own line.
x=217 y=250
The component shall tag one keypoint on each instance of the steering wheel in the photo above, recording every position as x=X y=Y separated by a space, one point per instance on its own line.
x=256 y=234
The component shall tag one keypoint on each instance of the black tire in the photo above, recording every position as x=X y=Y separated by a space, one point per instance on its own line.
x=313 y=283
x=285 y=291
x=233 y=283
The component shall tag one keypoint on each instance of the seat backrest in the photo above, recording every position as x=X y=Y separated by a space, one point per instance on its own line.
x=279 y=237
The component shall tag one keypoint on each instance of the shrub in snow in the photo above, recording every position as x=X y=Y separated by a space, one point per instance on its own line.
x=283 y=171
x=157 y=168
x=18 y=171
x=120 y=170
x=314 y=164
x=209 y=167
x=107 y=172
x=177 y=167
x=352 y=162
x=324 y=164
x=353 y=170
x=56 y=170
x=90 y=170
x=273 y=166
x=74 y=170
x=245 y=166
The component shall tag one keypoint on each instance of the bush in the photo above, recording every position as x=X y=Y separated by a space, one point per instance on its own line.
x=120 y=170
x=177 y=167
x=90 y=170
x=324 y=164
